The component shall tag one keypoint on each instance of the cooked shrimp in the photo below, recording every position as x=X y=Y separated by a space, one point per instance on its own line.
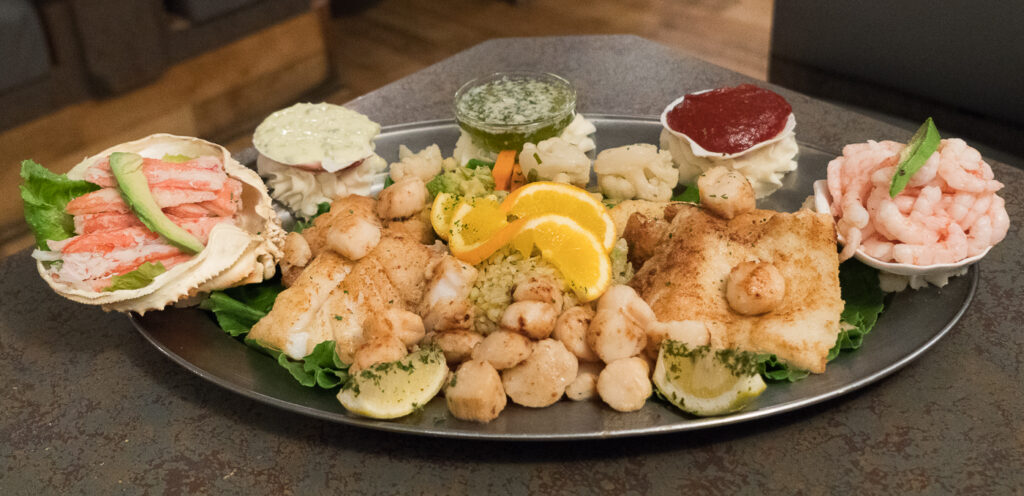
x=979 y=208
x=903 y=228
x=1000 y=219
x=952 y=249
x=876 y=247
x=962 y=168
x=979 y=237
x=927 y=172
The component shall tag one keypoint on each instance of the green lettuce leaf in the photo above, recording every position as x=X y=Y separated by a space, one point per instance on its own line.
x=769 y=366
x=321 y=368
x=302 y=225
x=864 y=302
x=474 y=163
x=138 y=278
x=45 y=195
x=686 y=193
x=238 y=309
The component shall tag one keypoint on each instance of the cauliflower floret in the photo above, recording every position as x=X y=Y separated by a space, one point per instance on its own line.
x=636 y=171
x=578 y=132
x=557 y=160
x=764 y=167
x=466 y=150
x=424 y=164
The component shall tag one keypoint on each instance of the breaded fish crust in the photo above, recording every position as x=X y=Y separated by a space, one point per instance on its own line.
x=685 y=278
x=288 y=325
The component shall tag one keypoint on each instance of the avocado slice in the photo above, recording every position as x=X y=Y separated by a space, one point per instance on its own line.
x=127 y=169
x=920 y=147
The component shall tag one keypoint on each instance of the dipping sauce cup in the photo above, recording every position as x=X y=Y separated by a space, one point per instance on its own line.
x=507 y=109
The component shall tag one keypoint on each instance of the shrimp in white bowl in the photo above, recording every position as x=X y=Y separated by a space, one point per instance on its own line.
x=948 y=214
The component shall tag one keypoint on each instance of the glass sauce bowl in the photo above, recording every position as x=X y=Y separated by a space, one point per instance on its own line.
x=504 y=110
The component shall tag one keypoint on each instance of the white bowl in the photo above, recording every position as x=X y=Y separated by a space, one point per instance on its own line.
x=701 y=152
x=929 y=273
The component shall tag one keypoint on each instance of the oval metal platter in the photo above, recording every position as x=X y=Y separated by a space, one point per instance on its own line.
x=912 y=322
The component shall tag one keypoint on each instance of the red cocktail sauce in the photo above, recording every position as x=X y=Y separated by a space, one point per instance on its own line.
x=730 y=120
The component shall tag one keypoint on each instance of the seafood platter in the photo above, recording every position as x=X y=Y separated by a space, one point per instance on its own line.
x=526 y=271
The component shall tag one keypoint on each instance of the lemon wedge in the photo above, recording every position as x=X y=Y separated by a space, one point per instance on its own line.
x=395 y=389
x=572 y=249
x=479 y=227
x=547 y=197
x=441 y=212
x=706 y=382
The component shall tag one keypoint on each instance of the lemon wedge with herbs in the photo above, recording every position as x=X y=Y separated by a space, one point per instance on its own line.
x=395 y=389
x=564 y=199
x=706 y=382
x=441 y=212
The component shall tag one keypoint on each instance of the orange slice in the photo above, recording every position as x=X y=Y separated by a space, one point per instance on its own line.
x=574 y=250
x=547 y=197
x=479 y=228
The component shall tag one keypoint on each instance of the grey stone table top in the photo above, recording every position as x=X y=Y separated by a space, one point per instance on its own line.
x=88 y=406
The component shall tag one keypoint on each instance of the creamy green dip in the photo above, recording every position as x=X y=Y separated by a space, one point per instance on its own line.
x=316 y=133
x=504 y=111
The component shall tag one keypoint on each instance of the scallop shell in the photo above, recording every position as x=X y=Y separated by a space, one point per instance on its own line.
x=234 y=255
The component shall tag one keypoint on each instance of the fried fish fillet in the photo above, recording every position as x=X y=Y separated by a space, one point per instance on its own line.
x=287 y=326
x=684 y=278
x=393 y=274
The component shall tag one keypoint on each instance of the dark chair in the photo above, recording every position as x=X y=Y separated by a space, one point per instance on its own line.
x=961 y=62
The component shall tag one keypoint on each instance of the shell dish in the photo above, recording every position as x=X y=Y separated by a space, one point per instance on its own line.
x=234 y=255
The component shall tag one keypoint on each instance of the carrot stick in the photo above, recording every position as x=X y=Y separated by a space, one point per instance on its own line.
x=502 y=171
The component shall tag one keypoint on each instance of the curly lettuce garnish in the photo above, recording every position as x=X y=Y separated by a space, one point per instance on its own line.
x=45 y=196
x=863 y=296
x=238 y=309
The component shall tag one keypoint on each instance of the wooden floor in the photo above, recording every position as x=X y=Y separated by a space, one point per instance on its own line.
x=398 y=37
x=381 y=44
